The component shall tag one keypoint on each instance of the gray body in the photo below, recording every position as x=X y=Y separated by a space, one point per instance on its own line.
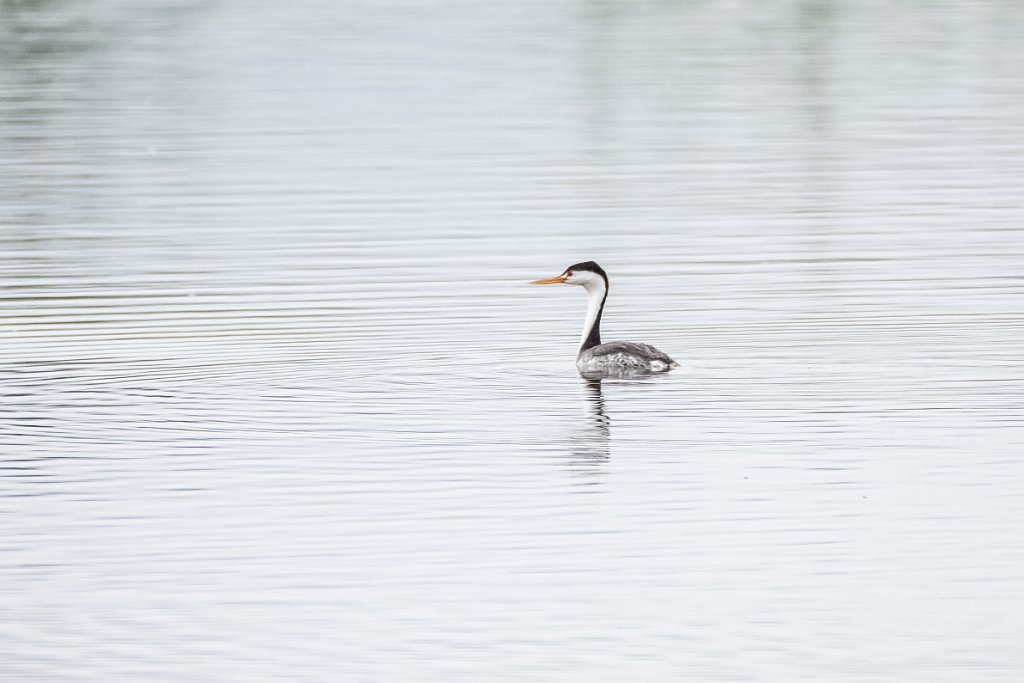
x=623 y=357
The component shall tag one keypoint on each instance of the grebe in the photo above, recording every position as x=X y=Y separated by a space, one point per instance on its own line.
x=613 y=357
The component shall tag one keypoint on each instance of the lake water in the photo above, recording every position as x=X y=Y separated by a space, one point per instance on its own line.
x=276 y=403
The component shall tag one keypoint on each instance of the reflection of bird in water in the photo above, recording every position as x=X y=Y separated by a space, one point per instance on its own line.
x=595 y=404
x=612 y=358
x=592 y=449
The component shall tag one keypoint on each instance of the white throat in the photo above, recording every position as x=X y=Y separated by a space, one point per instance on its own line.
x=596 y=291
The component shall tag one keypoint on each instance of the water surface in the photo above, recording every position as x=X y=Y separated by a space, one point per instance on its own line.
x=276 y=403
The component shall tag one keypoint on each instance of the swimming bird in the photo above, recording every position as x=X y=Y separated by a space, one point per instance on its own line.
x=614 y=358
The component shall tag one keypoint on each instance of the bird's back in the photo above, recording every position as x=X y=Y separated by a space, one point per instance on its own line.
x=624 y=357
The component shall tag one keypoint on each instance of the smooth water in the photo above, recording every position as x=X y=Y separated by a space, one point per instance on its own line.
x=278 y=405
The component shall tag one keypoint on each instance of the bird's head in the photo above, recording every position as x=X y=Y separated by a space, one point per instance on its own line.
x=587 y=274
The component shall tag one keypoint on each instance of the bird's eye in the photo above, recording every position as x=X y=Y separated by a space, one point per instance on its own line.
x=568 y=273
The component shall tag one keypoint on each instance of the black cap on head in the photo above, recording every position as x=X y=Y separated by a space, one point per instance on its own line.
x=588 y=265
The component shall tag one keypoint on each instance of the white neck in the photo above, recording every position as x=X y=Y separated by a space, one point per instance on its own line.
x=595 y=291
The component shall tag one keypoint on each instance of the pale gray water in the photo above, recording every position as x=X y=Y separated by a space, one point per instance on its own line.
x=278 y=405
